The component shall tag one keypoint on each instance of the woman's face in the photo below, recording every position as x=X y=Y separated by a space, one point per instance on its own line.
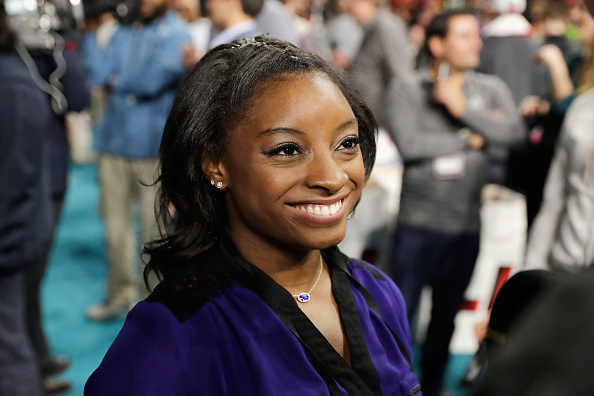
x=293 y=168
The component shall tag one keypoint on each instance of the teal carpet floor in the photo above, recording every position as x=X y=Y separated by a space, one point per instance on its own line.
x=75 y=279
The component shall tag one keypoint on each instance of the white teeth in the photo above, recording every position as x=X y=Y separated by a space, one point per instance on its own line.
x=321 y=210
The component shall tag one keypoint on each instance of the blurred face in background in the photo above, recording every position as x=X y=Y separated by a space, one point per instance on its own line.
x=218 y=12
x=151 y=9
x=585 y=24
x=187 y=9
x=301 y=8
x=362 y=10
x=462 y=45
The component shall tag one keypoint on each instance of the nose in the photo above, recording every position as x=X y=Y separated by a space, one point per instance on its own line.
x=326 y=172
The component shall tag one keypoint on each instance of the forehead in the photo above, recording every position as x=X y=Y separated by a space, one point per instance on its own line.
x=292 y=99
x=293 y=78
x=303 y=89
x=463 y=22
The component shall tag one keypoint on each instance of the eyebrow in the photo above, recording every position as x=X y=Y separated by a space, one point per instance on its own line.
x=274 y=131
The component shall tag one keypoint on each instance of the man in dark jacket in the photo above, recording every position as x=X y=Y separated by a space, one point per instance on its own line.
x=25 y=217
x=77 y=98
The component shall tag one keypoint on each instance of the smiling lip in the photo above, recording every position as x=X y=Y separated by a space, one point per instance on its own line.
x=322 y=212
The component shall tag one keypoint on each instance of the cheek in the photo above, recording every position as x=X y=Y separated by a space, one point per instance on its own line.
x=451 y=53
x=356 y=172
x=359 y=169
x=463 y=50
x=262 y=184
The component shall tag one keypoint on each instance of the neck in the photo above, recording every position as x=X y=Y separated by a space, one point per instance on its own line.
x=454 y=72
x=292 y=269
x=299 y=277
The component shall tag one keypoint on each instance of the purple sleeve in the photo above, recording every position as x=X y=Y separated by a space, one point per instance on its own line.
x=146 y=358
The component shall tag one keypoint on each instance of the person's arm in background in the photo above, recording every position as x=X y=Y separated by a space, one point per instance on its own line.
x=544 y=230
x=99 y=57
x=552 y=57
x=404 y=110
x=562 y=87
x=499 y=122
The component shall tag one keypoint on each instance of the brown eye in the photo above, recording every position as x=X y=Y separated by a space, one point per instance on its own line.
x=350 y=143
x=285 y=150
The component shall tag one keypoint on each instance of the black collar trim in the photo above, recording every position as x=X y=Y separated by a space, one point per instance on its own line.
x=362 y=378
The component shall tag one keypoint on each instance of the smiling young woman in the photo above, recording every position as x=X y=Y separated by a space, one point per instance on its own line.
x=263 y=158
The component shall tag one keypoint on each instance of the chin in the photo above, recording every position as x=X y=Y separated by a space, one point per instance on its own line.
x=329 y=243
x=320 y=239
x=330 y=239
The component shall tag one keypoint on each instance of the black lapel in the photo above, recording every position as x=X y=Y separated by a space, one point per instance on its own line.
x=341 y=287
x=362 y=378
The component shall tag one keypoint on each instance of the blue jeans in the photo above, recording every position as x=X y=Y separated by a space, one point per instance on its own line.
x=444 y=261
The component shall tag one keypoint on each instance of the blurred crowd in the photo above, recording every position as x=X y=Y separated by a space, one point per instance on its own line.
x=478 y=102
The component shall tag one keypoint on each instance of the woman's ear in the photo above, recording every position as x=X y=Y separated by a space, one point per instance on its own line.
x=214 y=170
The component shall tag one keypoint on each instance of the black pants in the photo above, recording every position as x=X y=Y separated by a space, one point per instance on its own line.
x=19 y=372
x=445 y=262
x=33 y=279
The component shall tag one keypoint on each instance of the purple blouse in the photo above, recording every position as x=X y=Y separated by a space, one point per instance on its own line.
x=223 y=327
